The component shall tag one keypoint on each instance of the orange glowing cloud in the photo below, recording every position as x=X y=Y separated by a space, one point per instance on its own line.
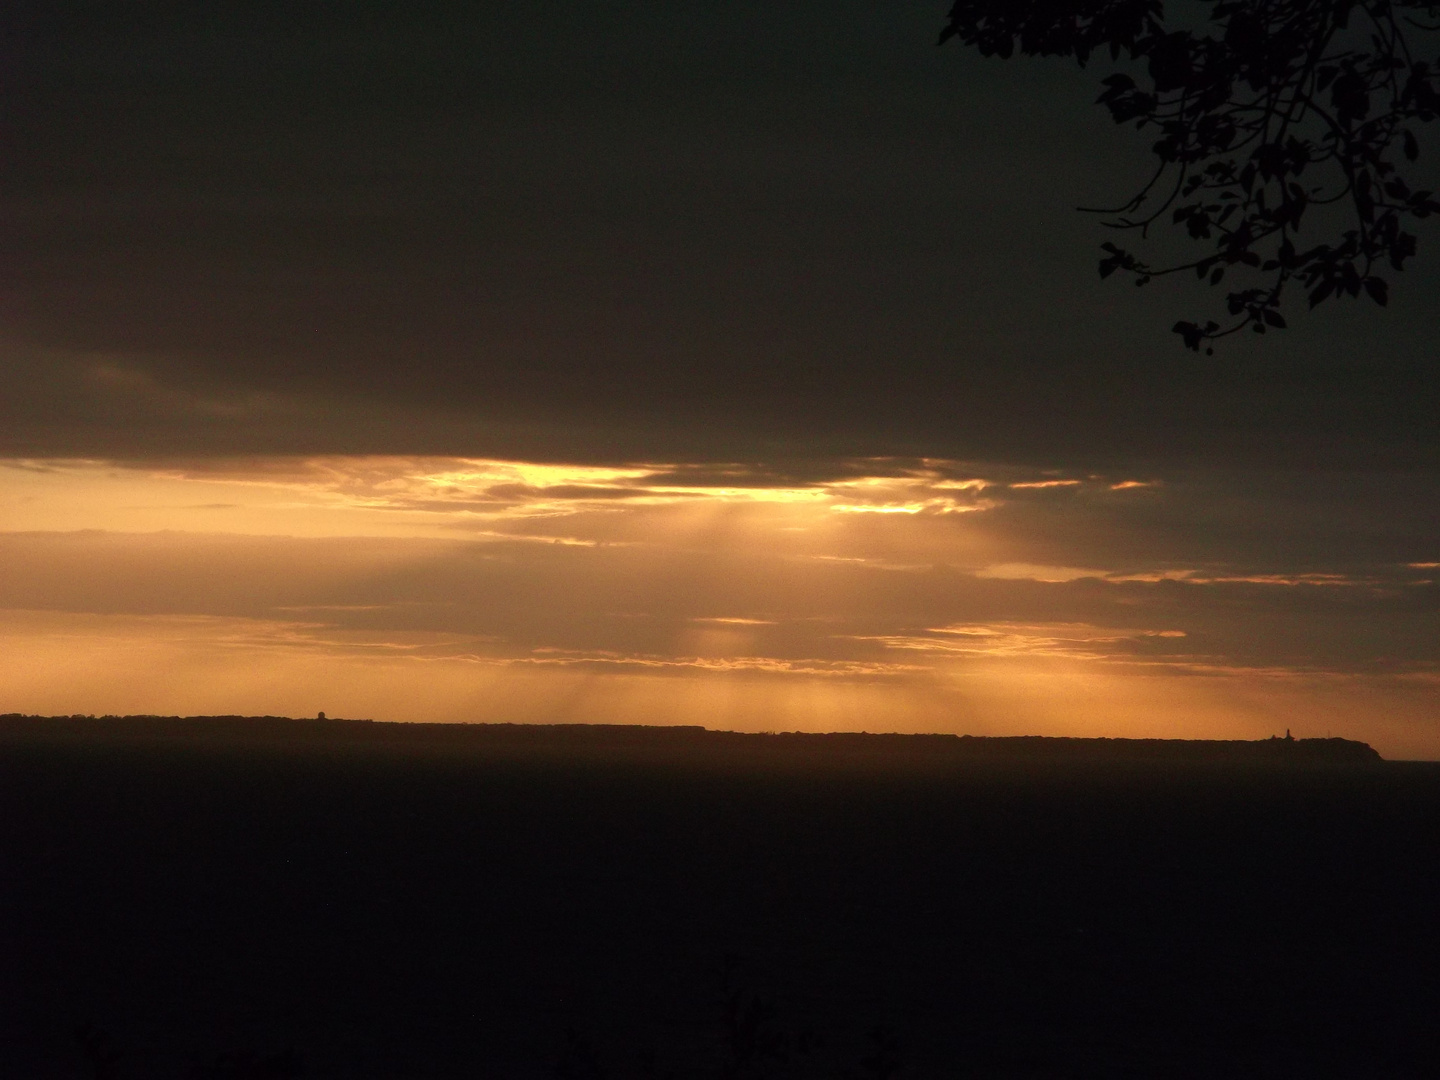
x=913 y=594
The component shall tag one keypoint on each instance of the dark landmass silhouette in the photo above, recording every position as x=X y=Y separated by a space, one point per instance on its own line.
x=342 y=900
x=694 y=739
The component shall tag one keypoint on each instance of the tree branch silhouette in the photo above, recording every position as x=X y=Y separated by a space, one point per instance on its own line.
x=1287 y=136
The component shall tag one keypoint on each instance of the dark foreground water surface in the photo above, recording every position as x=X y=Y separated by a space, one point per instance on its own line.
x=437 y=907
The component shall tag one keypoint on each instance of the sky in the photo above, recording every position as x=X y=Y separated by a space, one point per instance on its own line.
x=743 y=365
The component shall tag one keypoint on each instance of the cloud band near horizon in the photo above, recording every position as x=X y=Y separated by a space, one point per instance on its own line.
x=892 y=594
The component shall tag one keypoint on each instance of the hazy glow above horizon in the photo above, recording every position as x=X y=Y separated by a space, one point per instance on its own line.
x=877 y=594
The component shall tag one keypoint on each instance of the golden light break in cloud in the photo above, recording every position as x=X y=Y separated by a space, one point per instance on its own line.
x=869 y=594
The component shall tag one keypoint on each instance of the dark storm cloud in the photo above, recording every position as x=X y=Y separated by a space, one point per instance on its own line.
x=663 y=231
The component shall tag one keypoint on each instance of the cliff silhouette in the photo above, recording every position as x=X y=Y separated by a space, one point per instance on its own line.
x=695 y=739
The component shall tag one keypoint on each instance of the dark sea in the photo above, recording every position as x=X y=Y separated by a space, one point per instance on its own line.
x=265 y=901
